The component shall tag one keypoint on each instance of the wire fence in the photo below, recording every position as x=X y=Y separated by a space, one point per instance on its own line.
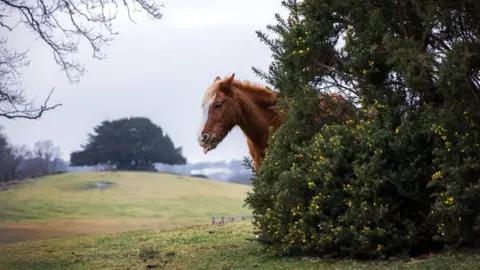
x=225 y=219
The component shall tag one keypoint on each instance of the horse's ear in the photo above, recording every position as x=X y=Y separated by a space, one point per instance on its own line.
x=216 y=79
x=226 y=85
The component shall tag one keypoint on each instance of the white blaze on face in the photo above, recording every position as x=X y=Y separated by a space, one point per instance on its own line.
x=207 y=101
x=205 y=108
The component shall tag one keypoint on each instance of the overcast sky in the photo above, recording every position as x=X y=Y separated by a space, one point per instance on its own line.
x=156 y=69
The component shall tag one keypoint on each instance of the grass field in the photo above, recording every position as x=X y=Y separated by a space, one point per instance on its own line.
x=67 y=204
x=198 y=247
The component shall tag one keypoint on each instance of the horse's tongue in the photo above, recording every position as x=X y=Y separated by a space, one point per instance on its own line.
x=206 y=149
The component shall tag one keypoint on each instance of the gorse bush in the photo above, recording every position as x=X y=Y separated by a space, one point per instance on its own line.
x=402 y=177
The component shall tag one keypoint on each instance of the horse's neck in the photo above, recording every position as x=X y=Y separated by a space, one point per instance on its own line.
x=256 y=122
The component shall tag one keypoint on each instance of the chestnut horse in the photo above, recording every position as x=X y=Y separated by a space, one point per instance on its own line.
x=229 y=102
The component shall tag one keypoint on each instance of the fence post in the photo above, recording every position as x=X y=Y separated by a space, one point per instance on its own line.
x=213 y=220
x=223 y=221
x=243 y=218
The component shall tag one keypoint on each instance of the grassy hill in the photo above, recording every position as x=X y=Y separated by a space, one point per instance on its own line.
x=198 y=247
x=71 y=204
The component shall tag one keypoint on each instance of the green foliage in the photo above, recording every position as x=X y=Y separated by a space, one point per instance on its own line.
x=130 y=143
x=403 y=177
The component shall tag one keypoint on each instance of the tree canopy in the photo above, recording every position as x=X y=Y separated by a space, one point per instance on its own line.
x=402 y=178
x=129 y=143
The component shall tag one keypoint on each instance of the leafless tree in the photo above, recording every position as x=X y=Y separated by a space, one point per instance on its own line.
x=61 y=24
x=46 y=154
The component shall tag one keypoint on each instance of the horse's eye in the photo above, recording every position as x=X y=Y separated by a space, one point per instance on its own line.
x=218 y=105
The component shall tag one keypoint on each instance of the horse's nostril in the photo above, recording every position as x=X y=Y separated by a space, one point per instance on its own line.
x=204 y=137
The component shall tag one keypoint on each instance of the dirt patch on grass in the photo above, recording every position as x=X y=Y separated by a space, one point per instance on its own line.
x=17 y=232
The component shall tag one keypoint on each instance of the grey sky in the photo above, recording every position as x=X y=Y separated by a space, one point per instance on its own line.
x=157 y=69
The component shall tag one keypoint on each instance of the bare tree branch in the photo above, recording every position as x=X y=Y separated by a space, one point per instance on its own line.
x=60 y=24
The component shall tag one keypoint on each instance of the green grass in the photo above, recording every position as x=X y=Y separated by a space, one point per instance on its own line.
x=198 y=247
x=67 y=204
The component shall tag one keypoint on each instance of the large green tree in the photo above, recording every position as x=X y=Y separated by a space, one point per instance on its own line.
x=129 y=143
x=404 y=176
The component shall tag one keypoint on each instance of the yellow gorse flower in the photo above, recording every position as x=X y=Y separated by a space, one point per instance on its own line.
x=436 y=175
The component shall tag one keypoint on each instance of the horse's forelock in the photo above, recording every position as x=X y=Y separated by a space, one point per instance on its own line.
x=210 y=94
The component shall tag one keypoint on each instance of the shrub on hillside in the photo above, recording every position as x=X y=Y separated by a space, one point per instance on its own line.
x=404 y=176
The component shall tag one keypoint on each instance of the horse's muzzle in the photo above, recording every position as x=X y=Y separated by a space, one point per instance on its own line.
x=207 y=142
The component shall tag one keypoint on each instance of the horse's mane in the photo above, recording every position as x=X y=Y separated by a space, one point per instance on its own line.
x=255 y=89
x=259 y=93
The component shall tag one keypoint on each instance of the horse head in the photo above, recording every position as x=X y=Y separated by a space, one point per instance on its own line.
x=221 y=113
